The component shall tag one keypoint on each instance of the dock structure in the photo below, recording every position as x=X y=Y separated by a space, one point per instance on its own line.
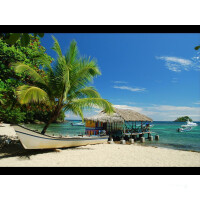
x=123 y=124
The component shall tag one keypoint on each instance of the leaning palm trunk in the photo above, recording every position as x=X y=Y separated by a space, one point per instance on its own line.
x=65 y=87
x=52 y=118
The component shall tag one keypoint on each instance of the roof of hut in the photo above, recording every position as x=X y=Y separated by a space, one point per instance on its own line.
x=131 y=115
x=103 y=117
x=120 y=115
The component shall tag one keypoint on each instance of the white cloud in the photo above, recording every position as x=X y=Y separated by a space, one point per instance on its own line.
x=130 y=88
x=137 y=109
x=156 y=112
x=165 y=112
x=119 y=82
x=177 y=64
x=198 y=103
x=169 y=112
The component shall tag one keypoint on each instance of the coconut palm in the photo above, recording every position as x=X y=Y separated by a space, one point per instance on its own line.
x=65 y=86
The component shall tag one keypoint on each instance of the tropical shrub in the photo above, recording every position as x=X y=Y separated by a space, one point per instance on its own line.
x=33 y=55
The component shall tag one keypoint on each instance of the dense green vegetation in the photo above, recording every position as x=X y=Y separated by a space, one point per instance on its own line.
x=183 y=119
x=65 y=86
x=24 y=38
x=33 y=55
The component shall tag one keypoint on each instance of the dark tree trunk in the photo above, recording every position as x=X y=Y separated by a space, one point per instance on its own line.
x=52 y=118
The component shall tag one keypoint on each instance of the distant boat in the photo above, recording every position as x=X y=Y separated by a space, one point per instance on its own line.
x=78 y=124
x=189 y=124
x=33 y=140
x=184 y=129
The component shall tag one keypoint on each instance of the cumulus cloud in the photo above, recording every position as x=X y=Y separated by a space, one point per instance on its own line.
x=132 y=89
x=177 y=64
x=165 y=112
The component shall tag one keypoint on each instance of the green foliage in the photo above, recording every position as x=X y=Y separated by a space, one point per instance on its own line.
x=197 y=48
x=183 y=119
x=12 y=38
x=66 y=84
x=33 y=55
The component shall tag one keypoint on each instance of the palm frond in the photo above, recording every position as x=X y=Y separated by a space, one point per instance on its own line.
x=22 y=68
x=75 y=110
x=72 y=53
x=31 y=94
x=93 y=102
x=87 y=92
x=56 y=47
x=84 y=74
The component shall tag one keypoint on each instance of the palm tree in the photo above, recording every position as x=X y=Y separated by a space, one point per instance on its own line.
x=65 y=86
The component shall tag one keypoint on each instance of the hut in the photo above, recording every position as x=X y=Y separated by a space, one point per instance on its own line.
x=122 y=120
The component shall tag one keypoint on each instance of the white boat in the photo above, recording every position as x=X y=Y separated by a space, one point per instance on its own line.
x=78 y=124
x=184 y=129
x=189 y=124
x=34 y=140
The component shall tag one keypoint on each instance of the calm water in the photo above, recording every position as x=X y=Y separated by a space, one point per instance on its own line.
x=169 y=137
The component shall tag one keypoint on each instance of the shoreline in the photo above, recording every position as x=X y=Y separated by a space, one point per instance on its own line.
x=103 y=155
x=99 y=155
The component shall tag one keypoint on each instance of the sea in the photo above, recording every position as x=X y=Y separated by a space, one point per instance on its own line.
x=167 y=131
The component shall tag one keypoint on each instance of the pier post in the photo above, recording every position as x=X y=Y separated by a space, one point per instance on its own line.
x=150 y=138
x=111 y=141
x=142 y=139
x=131 y=140
x=156 y=137
x=123 y=141
x=135 y=137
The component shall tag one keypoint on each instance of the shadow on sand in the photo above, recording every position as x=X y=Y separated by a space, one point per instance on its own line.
x=17 y=150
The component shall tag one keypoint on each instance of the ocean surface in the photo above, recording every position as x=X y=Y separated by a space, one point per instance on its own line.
x=167 y=131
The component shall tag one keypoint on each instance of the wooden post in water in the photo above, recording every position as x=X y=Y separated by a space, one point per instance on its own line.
x=142 y=139
x=131 y=140
x=151 y=138
x=156 y=137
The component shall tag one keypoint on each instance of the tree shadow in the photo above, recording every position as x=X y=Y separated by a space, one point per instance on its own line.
x=17 y=150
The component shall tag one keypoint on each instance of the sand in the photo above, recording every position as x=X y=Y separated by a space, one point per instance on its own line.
x=105 y=155
x=6 y=129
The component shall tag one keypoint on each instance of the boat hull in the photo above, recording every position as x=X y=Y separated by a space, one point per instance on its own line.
x=38 y=141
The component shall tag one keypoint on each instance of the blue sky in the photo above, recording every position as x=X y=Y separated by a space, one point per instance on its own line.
x=154 y=74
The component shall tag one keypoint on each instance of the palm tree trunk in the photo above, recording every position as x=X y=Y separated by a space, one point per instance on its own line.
x=52 y=118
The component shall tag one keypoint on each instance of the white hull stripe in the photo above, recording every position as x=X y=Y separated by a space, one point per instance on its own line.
x=65 y=139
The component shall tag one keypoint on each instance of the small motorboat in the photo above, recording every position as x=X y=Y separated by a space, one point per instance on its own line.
x=78 y=124
x=34 y=140
x=184 y=129
x=189 y=124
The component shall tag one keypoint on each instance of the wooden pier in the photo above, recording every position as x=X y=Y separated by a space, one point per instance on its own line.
x=140 y=136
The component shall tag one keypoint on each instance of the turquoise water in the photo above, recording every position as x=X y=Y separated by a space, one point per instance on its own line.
x=168 y=136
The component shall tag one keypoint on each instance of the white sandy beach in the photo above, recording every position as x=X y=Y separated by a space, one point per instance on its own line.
x=108 y=155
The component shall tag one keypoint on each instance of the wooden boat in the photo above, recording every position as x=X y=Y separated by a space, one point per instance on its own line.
x=34 y=140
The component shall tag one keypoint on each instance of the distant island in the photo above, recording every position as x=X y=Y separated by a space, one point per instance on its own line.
x=183 y=119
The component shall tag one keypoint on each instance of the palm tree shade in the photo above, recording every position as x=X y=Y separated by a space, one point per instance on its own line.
x=65 y=86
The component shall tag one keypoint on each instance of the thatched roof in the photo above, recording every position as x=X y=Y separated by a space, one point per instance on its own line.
x=103 y=117
x=120 y=115
x=131 y=115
